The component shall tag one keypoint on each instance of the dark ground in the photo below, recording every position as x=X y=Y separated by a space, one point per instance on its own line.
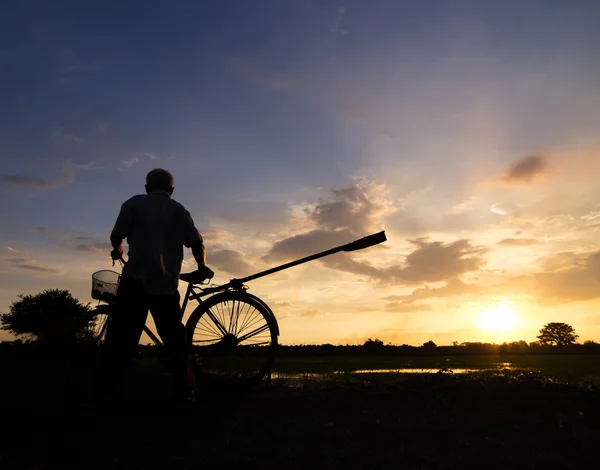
x=351 y=422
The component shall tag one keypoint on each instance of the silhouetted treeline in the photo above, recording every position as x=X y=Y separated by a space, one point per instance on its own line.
x=463 y=349
x=369 y=348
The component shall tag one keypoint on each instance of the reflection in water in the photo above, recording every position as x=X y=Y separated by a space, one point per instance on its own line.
x=405 y=370
x=412 y=371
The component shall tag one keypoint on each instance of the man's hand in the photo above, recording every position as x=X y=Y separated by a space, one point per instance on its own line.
x=205 y=272
x=117 y=253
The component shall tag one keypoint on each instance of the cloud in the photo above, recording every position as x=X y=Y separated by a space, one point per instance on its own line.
x=254 y=73
x=48 y=232
x=561 y=261
x=232 y=262
x=573 y=282
x=29 y=182
x=519 y=242
x=81 y=243
x=430 y=262
x=498 y=210
x=95 y=248
x=336 y=24
x=526 y=170
x=29 y=264
x=62 y=135
x=151 y=156
x=251 y=215
x=307 y=244
x=438 y=261
x=36 y=183
x=348 y=214
x=359 y=208
x=311 y=313
x=129 y=163
x=453 y=288
x=401 y=307
x=217 y=237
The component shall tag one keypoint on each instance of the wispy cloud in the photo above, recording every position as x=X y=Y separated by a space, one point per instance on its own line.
x=526 y=170
x=61 y=134
x=336 y=24
x=81 y=243
x=129 y=163
x=38 y=183
x=31 y=265
x=254 y=73
x=151 y=156
x=401 y=307
x=97 y=247
x=454 y=288
x=519 y=242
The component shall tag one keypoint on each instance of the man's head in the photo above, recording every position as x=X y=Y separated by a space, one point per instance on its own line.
x=159 y=179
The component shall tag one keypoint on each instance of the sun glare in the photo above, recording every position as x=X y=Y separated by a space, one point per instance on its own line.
x=502 y=316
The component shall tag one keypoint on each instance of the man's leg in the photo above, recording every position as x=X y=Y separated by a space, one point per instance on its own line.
x=122 y=336
x=167 y=318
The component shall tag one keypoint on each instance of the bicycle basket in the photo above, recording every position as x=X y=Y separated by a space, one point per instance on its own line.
x=104 y=285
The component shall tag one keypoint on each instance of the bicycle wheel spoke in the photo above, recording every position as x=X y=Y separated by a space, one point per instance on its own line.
x=211 y=328
x=248 y=319
x=256 y=322
x=233 y=316
x=217 y=323
x=255 y=332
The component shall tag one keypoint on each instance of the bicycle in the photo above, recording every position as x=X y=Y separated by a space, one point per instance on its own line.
x=232 y=334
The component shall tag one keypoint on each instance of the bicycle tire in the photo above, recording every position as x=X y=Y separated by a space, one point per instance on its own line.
x=223 y=355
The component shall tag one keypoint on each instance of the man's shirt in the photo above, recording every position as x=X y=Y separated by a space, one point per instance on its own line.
x=156 y=228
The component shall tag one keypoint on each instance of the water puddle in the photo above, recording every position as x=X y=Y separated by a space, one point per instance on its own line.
x=315 y=375
x=403 y=370
x=411 y=371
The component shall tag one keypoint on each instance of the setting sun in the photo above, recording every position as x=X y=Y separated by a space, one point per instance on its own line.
x=502 y=316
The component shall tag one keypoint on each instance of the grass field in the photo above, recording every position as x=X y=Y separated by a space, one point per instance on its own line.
x=512 y=419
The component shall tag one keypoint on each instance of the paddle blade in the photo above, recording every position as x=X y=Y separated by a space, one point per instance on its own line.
x=366 y=242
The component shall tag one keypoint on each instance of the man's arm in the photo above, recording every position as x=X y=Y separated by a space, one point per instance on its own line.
x=199 y=253
x=121 y=230
x=194 y=240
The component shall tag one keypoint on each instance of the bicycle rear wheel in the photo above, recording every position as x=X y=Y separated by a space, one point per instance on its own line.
x=233 y=337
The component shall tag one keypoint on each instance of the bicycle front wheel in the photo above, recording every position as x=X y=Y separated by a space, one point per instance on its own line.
x=233 y=337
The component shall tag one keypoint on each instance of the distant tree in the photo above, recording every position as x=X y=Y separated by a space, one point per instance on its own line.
x=52 y=317
x=429 y=344
x=559 y=334
x=373 y=343
x=455 y=343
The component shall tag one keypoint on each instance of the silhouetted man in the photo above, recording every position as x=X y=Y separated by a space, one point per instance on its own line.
x=156 y=228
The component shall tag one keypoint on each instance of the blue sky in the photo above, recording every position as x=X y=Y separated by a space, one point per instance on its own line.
x=270 y=113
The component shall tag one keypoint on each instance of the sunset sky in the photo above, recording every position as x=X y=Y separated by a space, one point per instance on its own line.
x=468 y=130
